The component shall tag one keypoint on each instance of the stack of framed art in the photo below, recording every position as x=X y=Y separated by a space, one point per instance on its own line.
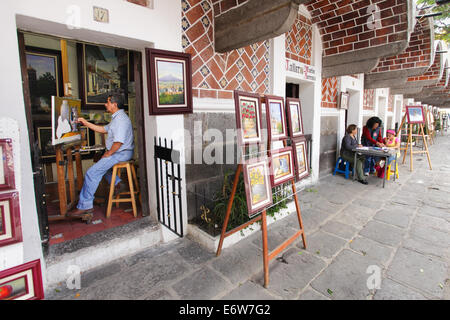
x=270 y=167
x=22 y=282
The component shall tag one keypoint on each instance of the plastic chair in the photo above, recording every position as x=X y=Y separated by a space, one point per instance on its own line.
x=389 y=172
x=340 y=161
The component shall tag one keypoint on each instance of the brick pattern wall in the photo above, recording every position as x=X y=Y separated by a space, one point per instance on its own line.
x=221 y=6
x=416 y=55
x=330 y=92
x=433 y=72
x=443 y=83
x=369 y=99
x=391 y=103
x=299 y=40
x=217 y=75
x=343 y=24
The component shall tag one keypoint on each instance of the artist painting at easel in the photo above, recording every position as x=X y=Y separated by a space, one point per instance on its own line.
x=119 y=146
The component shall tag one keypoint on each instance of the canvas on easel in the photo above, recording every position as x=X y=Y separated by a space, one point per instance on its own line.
x=256 y=173
x=414 y=116
x=65 y=112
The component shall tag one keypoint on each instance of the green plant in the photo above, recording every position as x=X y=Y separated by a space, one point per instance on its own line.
x=239 y=212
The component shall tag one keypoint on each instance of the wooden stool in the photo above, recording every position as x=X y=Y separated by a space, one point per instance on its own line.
x=134 y=189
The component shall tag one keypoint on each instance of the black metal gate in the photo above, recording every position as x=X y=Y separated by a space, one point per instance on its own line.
x=168 y=187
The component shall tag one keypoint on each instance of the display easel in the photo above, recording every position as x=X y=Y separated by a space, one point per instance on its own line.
x=409 y=146
x=70 y=150
x=267 y=256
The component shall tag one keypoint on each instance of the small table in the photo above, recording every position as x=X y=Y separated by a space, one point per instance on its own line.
x=376 y=152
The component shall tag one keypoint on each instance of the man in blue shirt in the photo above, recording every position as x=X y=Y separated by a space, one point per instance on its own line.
x=119 y=146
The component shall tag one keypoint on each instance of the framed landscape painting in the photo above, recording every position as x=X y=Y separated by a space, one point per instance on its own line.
x=276 y=119
x=7 y=180
x=415 y=114
x=23 y=282
x=102 y=71
x=301 y=158
x=248 y=117
x=10 y=224
x=44 y=77
x=257 y=185
x=295 y=121
x=281 y=166
x=169 y=82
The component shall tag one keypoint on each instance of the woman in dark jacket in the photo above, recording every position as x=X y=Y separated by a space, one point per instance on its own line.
x=349 y=142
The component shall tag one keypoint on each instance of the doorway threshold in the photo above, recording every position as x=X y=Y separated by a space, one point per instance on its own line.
x=98 y=248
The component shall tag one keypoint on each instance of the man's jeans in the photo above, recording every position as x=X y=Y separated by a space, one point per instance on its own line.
x=95 y=174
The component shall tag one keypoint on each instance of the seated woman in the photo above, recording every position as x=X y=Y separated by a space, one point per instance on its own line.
x=372 y=137
x=348 y=143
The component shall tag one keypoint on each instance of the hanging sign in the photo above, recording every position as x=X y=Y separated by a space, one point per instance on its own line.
x=302 y=70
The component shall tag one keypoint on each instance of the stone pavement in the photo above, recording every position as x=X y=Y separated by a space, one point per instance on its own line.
x=354 y=233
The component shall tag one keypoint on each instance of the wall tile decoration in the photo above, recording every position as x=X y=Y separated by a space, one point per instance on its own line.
x=330 y=92
x=369 y=99
x=217 y=75
x=299 y=40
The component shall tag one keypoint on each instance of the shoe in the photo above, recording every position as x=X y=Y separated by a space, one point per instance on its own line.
x=78 y=213
x=366 y=173
x=363 y=181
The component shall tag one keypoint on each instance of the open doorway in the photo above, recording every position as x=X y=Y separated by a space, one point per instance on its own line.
x=87 y=72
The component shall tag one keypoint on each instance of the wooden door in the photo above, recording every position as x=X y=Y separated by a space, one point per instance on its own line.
x=36 y=160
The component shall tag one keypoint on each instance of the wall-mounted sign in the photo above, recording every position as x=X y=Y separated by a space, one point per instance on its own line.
x=101 y=15
x=302 y=70
x=343 y=102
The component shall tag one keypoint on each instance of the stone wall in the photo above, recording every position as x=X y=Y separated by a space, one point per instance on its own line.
x=328 y=144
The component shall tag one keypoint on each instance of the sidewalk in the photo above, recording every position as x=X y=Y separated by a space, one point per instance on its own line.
x=403 y=231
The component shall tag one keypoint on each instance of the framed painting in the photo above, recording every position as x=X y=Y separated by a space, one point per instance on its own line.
x=7 y=180
x=294 y=114
x=301 y=158
x=281 y=166
x=45 y=142
x=248 y=117
x=65 y=112
x=415 y=114
x=23 y=282
x=276 y=118
x=169 y=82
x=257 y=185
x=102 y=71
x=44 y=70
x=10 y=224
x=343 y=102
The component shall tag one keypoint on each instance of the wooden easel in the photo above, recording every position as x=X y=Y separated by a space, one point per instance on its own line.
x=267 y=257
x=70 y=150
x=409 y=146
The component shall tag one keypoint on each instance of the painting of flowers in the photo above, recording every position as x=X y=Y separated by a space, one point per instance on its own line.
x=248 y=121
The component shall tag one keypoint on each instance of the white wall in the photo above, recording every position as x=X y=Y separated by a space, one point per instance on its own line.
x=131 y=27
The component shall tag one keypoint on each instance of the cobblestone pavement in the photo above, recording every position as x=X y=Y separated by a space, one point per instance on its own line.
x=354 y=232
